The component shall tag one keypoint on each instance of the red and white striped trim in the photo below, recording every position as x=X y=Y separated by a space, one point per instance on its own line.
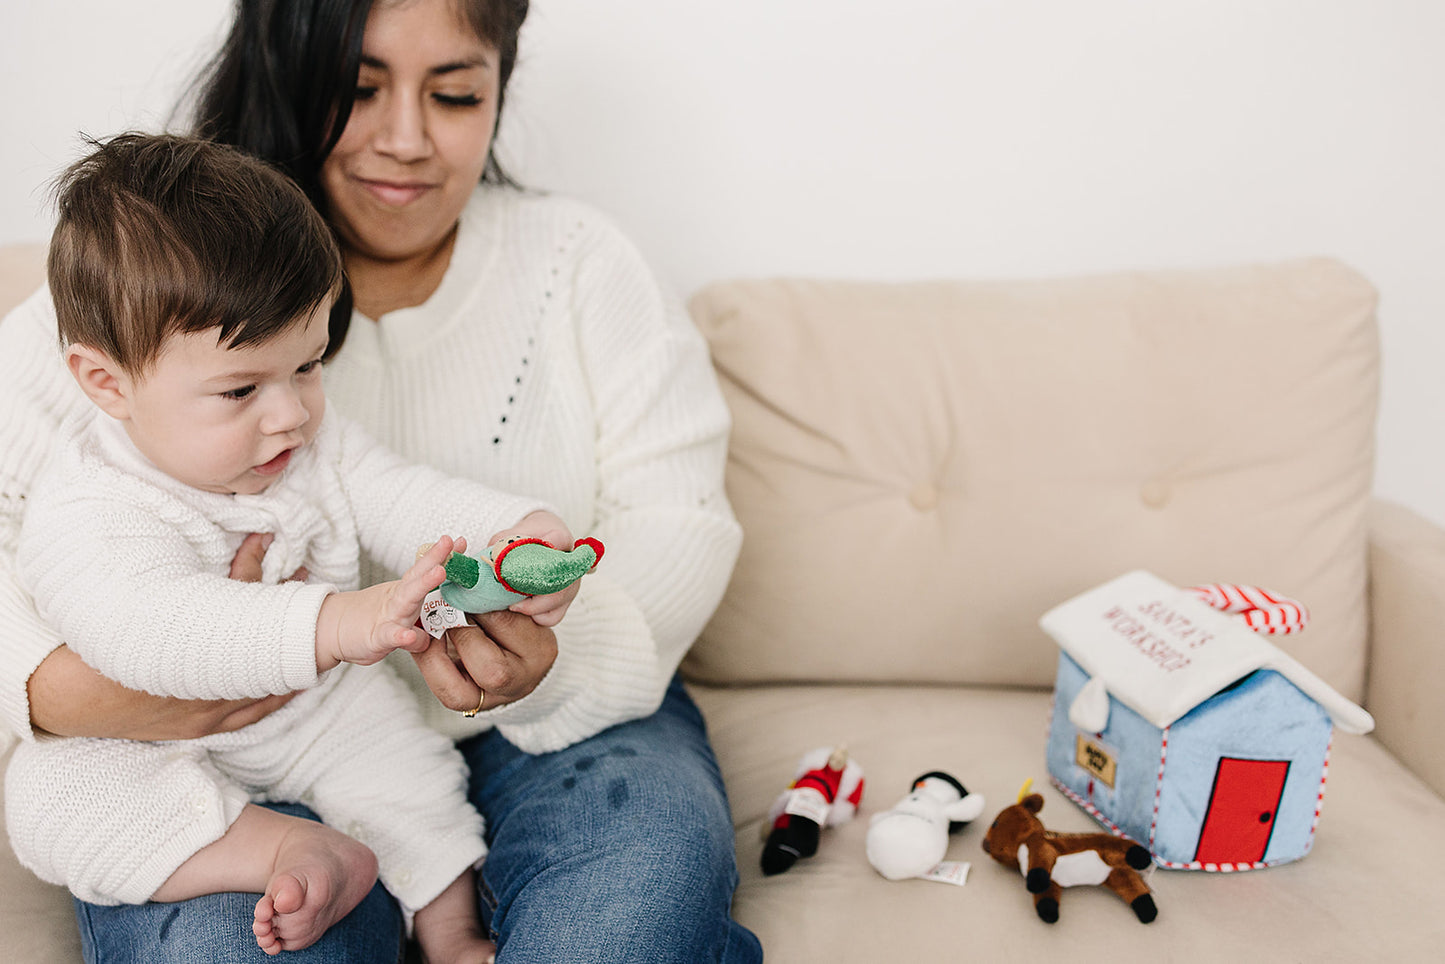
x=1320 y=800
x=1263 y=611
x=1093 y=810
x=1089 y=808
x=1158 y=785
x=1211 y=868
x=1159 y=861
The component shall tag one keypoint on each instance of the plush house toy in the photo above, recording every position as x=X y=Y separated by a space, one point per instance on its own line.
x=1177 y=724
x=910 y=839
x=1051 y=861
x=825 y=792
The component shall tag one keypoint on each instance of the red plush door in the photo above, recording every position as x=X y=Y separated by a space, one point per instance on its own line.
x=1242 y=810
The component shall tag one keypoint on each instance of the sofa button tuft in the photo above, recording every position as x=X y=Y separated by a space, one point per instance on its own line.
x=1155 y=493
x=924 y=496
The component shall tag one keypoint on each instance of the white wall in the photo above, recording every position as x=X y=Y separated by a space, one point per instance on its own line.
x=916 y=138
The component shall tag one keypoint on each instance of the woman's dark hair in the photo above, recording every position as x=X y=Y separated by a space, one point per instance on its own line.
x=498 y=22
x=283 y=84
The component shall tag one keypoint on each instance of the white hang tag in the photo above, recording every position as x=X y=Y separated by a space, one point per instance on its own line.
x=948 y=872
x=809 y=803
x=437 y=616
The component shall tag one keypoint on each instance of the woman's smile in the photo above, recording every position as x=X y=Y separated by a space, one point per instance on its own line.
x=394 y=193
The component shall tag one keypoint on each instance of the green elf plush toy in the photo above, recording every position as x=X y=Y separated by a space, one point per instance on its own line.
x=508 y=572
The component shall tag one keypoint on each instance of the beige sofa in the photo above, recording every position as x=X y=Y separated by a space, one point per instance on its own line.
x=921 y=471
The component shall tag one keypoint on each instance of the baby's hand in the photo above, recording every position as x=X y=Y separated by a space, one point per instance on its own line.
x=363 y=627
x=545 y=610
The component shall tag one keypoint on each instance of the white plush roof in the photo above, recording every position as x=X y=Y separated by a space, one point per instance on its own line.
x=1161 y=651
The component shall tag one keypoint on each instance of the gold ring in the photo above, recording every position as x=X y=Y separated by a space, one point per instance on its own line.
x=480 y=700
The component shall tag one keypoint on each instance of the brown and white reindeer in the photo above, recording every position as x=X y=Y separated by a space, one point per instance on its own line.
x=1050 y=861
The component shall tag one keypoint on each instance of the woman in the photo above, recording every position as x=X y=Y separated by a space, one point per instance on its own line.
x=508 y=337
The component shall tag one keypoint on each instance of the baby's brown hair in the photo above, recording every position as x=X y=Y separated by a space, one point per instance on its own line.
x=158 y=235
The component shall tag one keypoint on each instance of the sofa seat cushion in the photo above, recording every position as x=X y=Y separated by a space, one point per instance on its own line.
x=1362 y=894
x=921 y=470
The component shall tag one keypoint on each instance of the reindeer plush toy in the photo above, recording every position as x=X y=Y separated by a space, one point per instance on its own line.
x=1050 y=861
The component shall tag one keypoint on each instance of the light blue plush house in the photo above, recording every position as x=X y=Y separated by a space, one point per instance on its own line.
x=1175 y=724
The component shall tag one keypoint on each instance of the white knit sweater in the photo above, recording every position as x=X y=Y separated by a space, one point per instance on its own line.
x=129 y=565
x=548 y=362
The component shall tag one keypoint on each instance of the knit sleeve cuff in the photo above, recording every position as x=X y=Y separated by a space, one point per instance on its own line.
x=298 y=636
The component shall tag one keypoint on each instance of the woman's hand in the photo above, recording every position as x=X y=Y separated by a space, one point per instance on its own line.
x=537 y=525
x=504 y=657
x=547 y=610
x=69 y=698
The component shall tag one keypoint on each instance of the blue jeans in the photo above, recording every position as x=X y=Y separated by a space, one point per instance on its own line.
x=619 y=848
x=216 y=929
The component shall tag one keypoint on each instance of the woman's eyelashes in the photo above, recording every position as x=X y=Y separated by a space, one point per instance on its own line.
x=446 y=100
x=458 y=100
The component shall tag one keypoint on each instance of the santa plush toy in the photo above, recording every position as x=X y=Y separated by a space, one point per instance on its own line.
x=825 y=792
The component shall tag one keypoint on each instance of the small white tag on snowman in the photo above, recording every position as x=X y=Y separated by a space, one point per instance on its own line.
x=948 y=872
x=437 y=616
x=807 y=802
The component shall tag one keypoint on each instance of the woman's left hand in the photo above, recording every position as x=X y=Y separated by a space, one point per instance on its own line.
x=547 y=610
x=496 y=662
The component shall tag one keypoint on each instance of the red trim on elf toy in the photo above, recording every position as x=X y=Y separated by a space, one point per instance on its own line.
x=596 y=547
x=502 y=554
x=496 y=563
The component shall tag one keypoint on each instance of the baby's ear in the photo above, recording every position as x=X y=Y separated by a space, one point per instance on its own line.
x=104 y=382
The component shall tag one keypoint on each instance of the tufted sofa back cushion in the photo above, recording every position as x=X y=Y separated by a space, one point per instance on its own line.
x=921 y=470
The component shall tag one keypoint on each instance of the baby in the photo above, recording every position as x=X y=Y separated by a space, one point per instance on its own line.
x=193 y=287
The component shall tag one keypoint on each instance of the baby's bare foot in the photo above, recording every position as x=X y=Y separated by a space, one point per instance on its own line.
x=319 y=876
